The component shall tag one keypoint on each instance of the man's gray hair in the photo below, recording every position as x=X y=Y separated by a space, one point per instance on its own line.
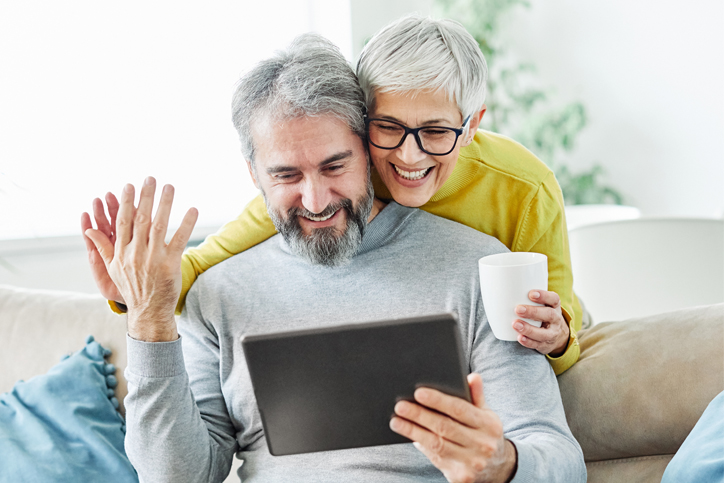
x=422 y=54
x=310 y=78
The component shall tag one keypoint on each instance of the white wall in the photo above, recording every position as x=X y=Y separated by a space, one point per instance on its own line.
x=651 y=73
x=369 y=16
x=97 y=94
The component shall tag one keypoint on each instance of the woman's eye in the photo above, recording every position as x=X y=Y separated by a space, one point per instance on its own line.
x=388 y=127
x=436 y=132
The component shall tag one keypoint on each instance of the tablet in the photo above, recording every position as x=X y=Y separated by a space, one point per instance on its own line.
x=336 y=387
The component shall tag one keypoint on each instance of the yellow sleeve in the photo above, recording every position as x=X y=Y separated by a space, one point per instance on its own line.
x=252 y=227
x=543 y=230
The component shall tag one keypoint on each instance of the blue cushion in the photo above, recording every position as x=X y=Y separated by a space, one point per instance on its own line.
x=64 y=426
x=701 y=458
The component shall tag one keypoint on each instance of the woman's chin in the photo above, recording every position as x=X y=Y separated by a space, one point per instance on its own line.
x=410 y=197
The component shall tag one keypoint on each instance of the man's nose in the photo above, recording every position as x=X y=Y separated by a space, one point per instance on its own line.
x=409 y=152
x=316 y=195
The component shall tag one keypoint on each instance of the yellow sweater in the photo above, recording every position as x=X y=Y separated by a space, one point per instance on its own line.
x=498 y=187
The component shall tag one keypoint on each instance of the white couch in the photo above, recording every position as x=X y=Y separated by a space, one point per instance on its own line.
x=631 y=400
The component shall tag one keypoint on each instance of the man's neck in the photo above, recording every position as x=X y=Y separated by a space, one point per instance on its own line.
x=377 y=206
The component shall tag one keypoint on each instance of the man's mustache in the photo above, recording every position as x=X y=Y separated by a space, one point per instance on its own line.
x=332 y=208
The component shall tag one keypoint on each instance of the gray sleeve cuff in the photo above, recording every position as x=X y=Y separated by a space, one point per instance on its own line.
x=525 y=472
x=155 y=359
x=533 y=466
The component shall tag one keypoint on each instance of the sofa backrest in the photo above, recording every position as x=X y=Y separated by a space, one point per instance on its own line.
x=635 y=394
x=640 y=385
x=38 y=327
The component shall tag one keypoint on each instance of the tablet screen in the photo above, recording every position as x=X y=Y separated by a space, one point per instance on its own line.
x=336 y=387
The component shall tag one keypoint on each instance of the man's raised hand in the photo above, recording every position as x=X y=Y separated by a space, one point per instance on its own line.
x=145 y=270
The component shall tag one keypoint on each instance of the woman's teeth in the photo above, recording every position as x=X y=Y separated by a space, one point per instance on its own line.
x=320 y=218
x=412 y=175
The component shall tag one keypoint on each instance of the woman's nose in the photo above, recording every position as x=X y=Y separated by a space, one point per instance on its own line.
x=409 y=152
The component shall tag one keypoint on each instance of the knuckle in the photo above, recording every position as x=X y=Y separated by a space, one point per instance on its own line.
x=141 y=218
x=458 y=411
x=444 y=429
x=438 y=446
x=488 y=450
x=466 y=476
x=479 y=465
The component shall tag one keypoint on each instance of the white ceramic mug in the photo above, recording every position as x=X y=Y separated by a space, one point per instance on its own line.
x=505 y=281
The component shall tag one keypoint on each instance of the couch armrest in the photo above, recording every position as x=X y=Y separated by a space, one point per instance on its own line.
x=640 y=385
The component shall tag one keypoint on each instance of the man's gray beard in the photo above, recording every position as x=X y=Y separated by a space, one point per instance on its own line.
x=325 y=246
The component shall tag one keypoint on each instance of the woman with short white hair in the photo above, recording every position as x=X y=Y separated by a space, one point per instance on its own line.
x=424 y=84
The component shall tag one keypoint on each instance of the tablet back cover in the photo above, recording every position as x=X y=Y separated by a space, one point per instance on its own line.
x=336 y=387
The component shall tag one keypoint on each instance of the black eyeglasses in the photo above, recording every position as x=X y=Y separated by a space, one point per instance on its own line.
x=433 y=140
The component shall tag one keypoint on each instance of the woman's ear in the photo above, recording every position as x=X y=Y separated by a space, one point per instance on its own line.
x=473 y=125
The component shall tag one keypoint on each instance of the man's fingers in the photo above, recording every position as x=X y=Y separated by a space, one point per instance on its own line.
x=437 y=445
x=102 y=243
x=142 y=220
x=436 y=423
x=159 y=226
x=124 y=221
x=475 y=381
x=183 y=234
x=456 y=408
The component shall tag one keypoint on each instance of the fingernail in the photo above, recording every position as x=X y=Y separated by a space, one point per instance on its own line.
x=149 y=181
x=535 y=295
x=520 y=309
x=400 y=408
x=128 y=188
x=394 y=423
x=421 y=395
x=518 y=326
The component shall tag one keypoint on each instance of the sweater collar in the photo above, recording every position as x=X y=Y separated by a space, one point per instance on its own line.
x=384 y=226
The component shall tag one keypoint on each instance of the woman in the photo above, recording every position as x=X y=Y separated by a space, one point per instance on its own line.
x=424 y=82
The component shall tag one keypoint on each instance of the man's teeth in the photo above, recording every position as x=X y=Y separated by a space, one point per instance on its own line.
x=320 y=218
x=412 y=175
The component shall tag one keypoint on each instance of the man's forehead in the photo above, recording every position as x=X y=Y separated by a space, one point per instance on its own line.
x=310 y=140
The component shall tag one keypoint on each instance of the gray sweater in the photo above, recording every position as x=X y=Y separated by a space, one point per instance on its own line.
x=191 y=405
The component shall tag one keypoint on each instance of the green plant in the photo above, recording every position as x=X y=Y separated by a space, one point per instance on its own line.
x=518 y=108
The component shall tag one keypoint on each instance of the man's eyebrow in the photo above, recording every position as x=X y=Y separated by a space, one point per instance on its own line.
x=336 y=157
x=332 y=159
x=280 y=169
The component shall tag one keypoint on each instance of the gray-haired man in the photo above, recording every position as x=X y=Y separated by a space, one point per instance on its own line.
x=342 y=257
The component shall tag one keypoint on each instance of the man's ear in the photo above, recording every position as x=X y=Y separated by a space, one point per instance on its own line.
x=251 y=173
x=473 y=125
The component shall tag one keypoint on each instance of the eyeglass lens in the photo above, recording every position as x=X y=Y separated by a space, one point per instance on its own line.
x=434 y=140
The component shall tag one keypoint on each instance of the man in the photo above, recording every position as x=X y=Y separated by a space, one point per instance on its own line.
x=342 y=256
